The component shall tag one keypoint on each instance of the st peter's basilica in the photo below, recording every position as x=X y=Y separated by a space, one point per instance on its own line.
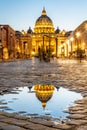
x=43 y=39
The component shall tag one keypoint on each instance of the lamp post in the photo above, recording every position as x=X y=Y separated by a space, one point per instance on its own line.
x=56 y=47
x=43 y=42
x=25 y=44
x=1 y=42
x=79 y=51
x=1 y=47
x=70 y=44
x=71 y=40
x=49 y=47
x=11 y=35
x=77 y=37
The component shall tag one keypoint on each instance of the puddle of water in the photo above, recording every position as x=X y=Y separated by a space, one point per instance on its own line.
x=33 y=102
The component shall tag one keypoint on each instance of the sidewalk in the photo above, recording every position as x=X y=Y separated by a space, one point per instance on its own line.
x=15 y=122
x=73 y=75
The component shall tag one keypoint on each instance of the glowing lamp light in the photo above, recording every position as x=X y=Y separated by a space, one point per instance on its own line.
x=78 y=34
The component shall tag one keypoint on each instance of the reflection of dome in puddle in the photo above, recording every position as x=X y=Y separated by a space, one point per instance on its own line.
x=44 y=93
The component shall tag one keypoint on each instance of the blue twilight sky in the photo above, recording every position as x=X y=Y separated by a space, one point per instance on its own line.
x=20 y=14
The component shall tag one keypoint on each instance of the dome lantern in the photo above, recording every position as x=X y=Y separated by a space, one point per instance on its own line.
x=44 y=11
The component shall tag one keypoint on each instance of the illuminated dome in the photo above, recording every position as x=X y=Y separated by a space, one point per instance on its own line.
x=44 y=93
x=44 y=24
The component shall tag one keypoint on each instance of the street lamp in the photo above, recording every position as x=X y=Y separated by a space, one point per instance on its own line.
x=25 y=47
x=1 y=47
x=43 y=42
x=79 y=51
x=1 y=42
x=71 y=40
x=11 y=35
x=49 y=46
x=56 y=47
x=77 y=37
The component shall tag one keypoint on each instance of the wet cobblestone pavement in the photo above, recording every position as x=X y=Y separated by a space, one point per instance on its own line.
x=69 y=74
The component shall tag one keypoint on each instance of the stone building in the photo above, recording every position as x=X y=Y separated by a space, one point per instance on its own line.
x=78 y=40
x=7 y=42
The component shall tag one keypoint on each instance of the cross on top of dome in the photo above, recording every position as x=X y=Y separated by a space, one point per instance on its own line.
x=43 y=11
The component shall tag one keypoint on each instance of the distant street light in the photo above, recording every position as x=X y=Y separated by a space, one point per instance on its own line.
x=11 y=35
x=1 y=41
x=79 y=50
x=25 y=44
x=78 y=34
x=71 y=40
x=56 y=46
x=49 y=46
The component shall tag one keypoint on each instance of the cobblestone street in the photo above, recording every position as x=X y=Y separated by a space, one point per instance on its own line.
x=65 y=73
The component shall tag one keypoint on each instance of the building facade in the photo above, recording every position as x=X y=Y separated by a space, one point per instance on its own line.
x=77 y=41
x=7 y=42
x=43 y=37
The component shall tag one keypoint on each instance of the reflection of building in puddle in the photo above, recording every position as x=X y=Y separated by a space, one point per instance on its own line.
x=44 y=93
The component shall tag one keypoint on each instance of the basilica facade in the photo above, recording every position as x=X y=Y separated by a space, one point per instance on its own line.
x=42 y=37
